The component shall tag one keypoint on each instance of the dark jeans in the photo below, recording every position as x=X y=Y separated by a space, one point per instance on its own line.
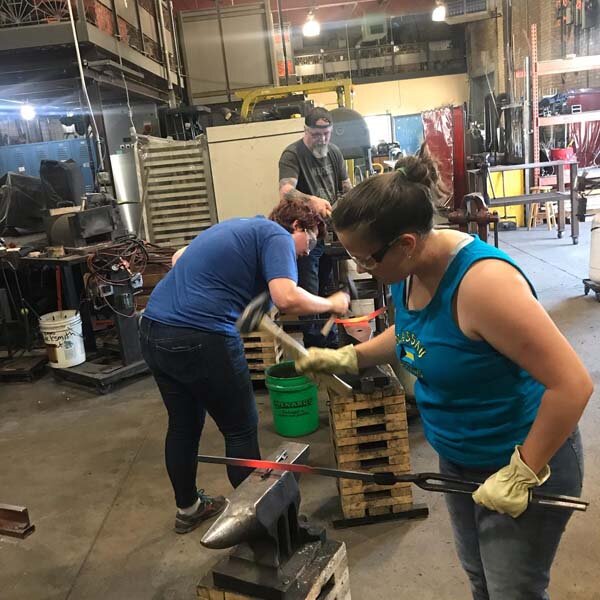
x=506 y=558
x=196 y=373
x=315 y=276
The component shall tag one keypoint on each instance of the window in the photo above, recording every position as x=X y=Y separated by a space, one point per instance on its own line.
x=380 y=129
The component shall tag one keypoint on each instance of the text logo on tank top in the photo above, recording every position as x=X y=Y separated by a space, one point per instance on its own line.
x=410 y=350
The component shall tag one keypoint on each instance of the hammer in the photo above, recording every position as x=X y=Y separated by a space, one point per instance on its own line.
x=255 y=318
x=348 y=288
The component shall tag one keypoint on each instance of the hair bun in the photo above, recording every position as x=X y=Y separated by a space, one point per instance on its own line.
x=414 y=169
x=422 y=169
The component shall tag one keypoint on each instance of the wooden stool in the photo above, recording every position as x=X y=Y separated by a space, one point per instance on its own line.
x=548 y=207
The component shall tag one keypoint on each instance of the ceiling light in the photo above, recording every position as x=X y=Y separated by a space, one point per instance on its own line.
x=311 y=28
x=439 y=12
x=27 y=112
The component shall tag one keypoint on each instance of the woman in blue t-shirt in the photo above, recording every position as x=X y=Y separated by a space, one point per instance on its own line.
x=499 y=388
x=190 y=341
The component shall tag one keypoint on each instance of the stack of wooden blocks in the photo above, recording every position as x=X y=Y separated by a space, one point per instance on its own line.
x=370 y=433
x=262 y=351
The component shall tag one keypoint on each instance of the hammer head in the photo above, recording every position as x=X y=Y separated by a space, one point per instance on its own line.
x=351 y=288
x=250 y=319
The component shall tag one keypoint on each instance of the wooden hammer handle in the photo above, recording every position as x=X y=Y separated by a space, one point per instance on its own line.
x=328 y=326
x=296 y=350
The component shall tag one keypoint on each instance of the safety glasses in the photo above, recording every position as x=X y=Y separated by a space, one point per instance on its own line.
x=319 y=133
x=370 y=262
x=311 y=240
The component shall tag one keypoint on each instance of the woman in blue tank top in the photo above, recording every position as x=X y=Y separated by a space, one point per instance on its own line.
x=500 y=390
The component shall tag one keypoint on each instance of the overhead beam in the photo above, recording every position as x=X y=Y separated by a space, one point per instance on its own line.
x=569 y=65
x=566 y=65
x=327 y=10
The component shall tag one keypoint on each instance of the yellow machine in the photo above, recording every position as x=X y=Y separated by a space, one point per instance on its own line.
x=343 y=88
x=510 y=183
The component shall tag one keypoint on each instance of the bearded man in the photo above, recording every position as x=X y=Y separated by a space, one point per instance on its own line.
x=313 y=170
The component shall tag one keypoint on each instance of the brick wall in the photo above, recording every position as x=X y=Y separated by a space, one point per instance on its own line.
x=485 y=54
x=484 y=43
x=543 y=13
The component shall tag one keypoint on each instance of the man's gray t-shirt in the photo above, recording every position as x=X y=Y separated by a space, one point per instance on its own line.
x=320 y=177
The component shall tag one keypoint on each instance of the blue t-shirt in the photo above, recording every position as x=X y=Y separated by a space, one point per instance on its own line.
x=475 y=403
x=220 y=272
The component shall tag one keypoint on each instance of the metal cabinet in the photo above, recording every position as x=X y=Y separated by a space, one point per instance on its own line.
x=26 y=158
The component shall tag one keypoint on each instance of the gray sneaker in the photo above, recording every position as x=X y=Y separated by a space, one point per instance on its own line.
x=209 y=507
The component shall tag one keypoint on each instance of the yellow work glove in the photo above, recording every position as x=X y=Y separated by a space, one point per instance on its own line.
x=325 y=360
x=507 y=491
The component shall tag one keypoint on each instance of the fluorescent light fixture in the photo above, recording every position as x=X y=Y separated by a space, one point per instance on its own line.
x=439 y=12
x=27 y=112
x=312 y=27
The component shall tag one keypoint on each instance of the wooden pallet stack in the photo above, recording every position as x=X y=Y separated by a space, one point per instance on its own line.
x=370 y=433
x=262 y=351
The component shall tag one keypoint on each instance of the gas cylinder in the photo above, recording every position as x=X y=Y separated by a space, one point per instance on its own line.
x=595 y=250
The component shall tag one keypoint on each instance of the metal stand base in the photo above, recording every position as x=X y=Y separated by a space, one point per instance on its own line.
x=418 y=511
x=101 y=372
x=316 y=570
x=24 y=368
x=588 y=285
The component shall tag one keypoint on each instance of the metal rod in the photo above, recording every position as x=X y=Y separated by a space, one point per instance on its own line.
x=176 y=45
x=140 y=29
x=348 y=53
x=223 y=52
x=434 y=482
x=83 y=84
x=527 y=124
x=282 y=33
x=163 y=37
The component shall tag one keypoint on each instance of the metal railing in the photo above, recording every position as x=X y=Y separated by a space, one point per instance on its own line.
x=384 y=59
x=20 y=13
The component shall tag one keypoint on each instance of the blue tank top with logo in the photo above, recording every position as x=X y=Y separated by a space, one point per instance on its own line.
x=475 y=403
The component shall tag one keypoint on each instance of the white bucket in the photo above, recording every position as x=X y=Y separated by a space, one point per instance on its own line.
x=595 y=250
x=63 y=338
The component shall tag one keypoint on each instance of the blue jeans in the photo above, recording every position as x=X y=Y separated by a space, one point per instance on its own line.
x=315 y=276
x=506 y=558
x=198 y=372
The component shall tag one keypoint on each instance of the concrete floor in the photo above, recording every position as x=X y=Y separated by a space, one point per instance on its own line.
x=90 y=470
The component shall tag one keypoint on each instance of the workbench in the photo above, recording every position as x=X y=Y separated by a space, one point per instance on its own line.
x=101 y=370
x=72 y=269
x=560 y=196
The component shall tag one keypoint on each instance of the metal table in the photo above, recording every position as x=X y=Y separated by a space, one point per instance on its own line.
x=559 y=196
x=100 y=370
x=74 y=298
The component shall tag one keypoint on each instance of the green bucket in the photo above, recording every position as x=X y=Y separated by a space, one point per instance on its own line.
x=294 y=400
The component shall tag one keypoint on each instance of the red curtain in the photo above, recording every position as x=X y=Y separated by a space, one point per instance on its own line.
x=438 y=129
x=587 y=143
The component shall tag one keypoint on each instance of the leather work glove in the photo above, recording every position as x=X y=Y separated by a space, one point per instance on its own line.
x=507 y=491
x=325 y=360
